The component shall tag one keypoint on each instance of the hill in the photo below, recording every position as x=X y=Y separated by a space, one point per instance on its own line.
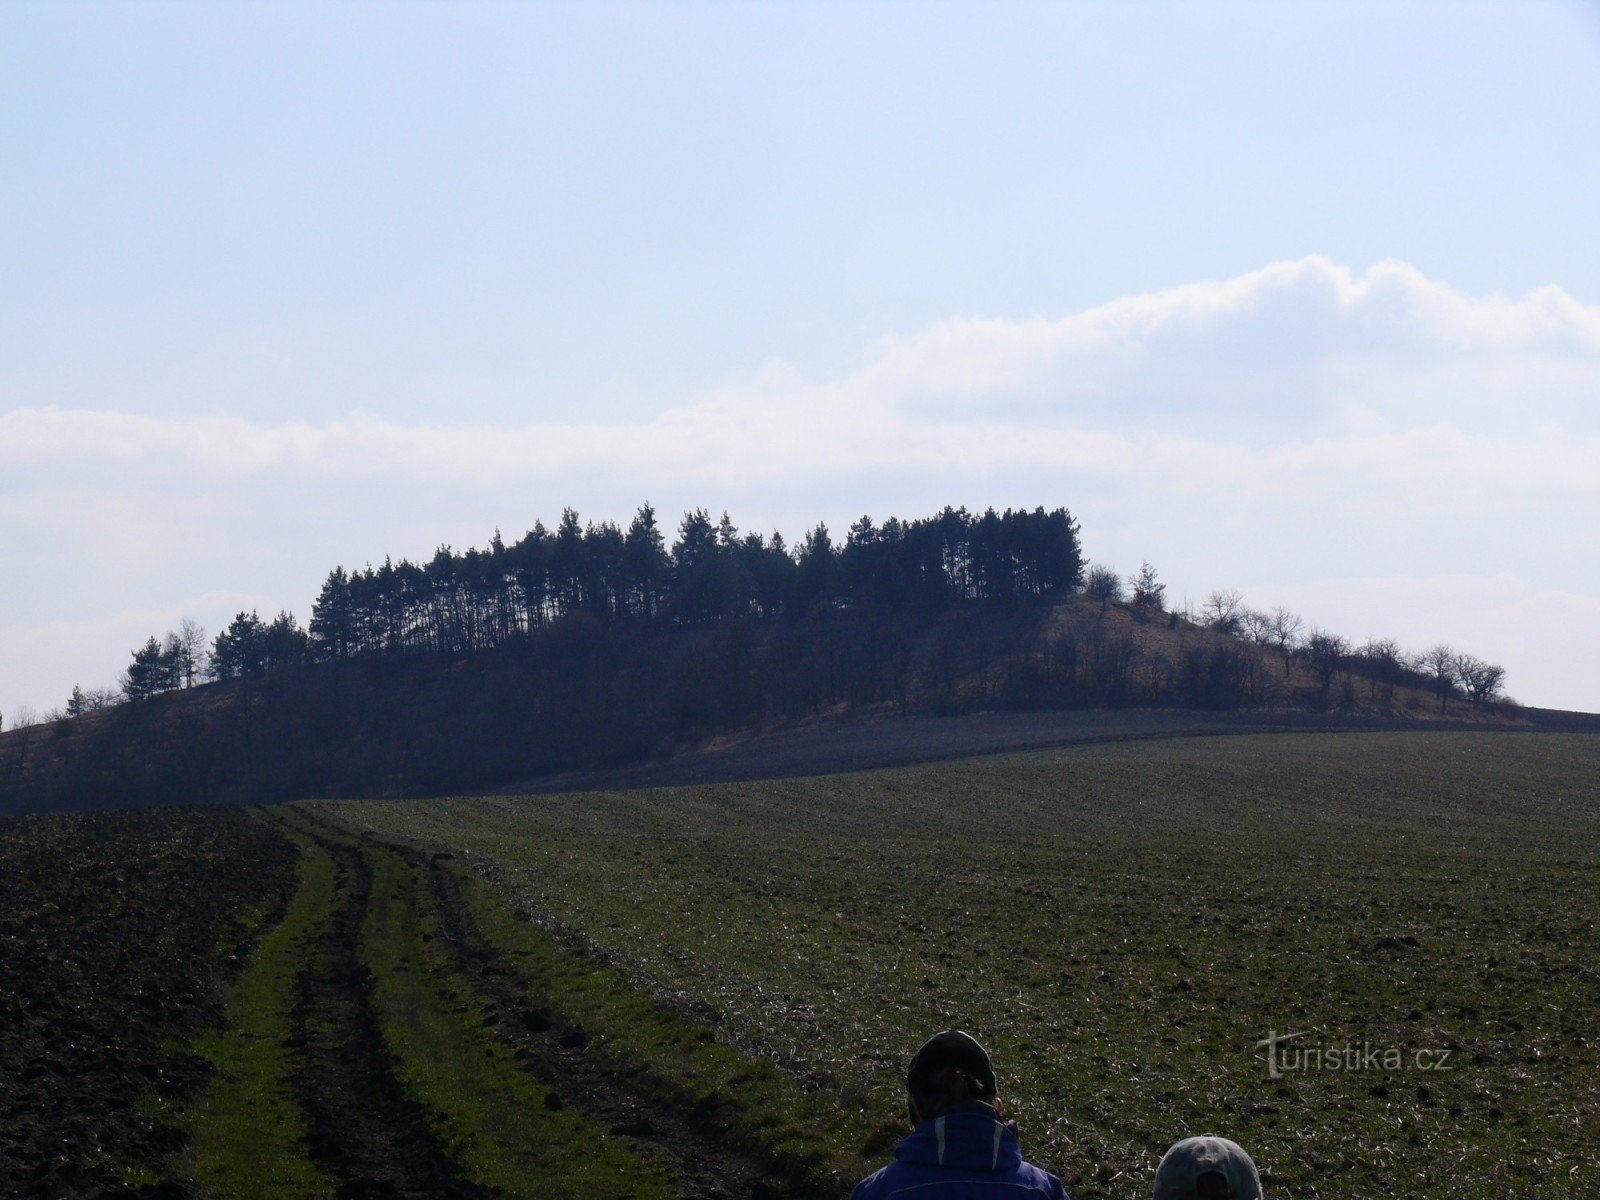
x=583 y=695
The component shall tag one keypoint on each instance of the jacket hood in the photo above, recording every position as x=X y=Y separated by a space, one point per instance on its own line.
x=964 y=1141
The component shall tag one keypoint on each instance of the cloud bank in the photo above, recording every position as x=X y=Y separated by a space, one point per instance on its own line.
x=1296 y=424
x=1276 y=369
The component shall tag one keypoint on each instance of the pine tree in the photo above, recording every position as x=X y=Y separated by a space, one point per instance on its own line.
x=646 y=565
x=333 y=626
x=1148 y=591
x=240 y=649
x=143 y=677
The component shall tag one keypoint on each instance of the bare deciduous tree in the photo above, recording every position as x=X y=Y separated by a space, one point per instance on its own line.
x=1440 y=663
x=1103 y=584
x=1222 y=608
x=1257 y=626
x=1326 y=652
x=1383 y=658
x=192 y=644
x=95 y=699
x=1283 y=631
x=1480 y=680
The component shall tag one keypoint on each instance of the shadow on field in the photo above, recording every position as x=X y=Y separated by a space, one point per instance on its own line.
x=833 y=747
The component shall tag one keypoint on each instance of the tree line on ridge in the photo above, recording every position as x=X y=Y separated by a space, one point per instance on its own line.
x=467 y=601
x=459 y=602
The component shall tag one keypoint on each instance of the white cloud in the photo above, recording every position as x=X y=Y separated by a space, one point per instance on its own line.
x=1294 y=336
x=1294 y=423
x=733 y=442
x=1298 y=353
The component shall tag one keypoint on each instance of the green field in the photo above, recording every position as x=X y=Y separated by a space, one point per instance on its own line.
x=1121 y=924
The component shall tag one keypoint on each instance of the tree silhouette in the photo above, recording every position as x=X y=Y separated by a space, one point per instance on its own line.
x=147 y=674
x=1326 y=653
x=1148 y=591
x=1104 y=585
x=647 y=568
x=1439 y=664
x=240 y=649
x=1480 y=680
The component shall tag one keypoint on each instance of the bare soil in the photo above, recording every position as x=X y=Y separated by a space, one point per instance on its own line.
x=118 y=932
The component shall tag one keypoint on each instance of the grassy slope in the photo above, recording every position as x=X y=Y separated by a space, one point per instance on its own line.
x=1123 y=924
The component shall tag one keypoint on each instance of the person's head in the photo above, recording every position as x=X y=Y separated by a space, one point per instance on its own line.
x=1207 y=1168
x=950 y=1071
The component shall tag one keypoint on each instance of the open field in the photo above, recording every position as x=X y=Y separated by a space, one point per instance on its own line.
x=1123 y=924
x=711 y=991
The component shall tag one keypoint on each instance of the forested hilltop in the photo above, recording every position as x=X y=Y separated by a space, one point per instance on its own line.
x=480 y=599
x=594 y=645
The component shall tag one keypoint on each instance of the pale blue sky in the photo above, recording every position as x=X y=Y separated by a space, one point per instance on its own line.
x=588 y=204
x=524 y=218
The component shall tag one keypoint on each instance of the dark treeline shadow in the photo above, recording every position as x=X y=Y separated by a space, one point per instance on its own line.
x=576 y=693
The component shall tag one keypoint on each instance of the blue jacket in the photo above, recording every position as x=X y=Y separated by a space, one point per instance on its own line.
x=962 y=1156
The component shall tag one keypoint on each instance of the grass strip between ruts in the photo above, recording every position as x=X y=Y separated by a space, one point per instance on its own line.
x=248 y=1134
x=489 y=1112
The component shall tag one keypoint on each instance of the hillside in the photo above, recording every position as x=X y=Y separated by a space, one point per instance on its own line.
x=585 y=696
x=712 y=991
x=1122 y=924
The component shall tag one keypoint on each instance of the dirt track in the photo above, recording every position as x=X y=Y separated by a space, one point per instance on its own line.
x=118 y=935
x=363 y=1131
x=371 y=1139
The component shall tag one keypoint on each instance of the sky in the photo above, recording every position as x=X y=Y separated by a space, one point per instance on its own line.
x=1302 y=300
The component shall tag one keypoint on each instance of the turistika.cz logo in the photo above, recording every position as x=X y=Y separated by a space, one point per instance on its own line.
x=1285 y=1057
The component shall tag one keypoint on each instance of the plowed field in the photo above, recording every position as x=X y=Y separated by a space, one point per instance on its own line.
x=118 y=932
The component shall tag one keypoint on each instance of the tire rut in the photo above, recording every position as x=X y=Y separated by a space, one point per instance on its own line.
x=693 y=1144
x=368 y=1136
